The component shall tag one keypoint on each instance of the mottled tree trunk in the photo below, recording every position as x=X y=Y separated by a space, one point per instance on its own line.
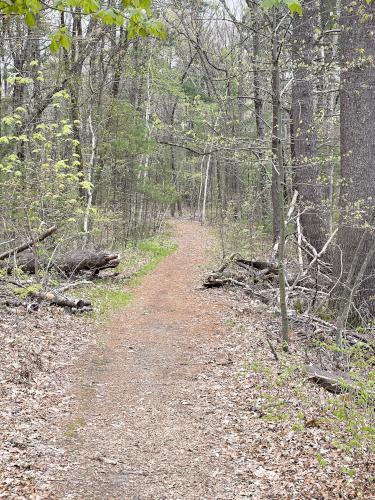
x=357 y=195
x=279 y=178
x=328 y=13
x=259 y=114
x=306 y=168
x=275 y=141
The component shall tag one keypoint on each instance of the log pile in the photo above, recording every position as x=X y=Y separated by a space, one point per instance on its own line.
x=25 y=257
x=33 y=300
x=309 y=286
x=259 y=280
x=254 y=276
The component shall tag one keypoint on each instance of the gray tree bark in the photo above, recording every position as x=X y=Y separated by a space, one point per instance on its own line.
x=357 y=195
x=306 y=168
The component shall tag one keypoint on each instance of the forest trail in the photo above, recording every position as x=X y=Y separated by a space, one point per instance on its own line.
x=143 y=432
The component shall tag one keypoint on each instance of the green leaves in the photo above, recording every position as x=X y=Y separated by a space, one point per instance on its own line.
x=135 y=14
x=268 y=4
x=294 y=6
x=30 y=19
x=110 y=16
x=60 y=39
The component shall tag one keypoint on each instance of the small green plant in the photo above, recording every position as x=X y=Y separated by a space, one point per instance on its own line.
x=348 y=472
x=298 y=427
x=299 y=306
x=286 y=374
x=244 y=370
x=325 y=313
x=321 y=461
x=229 y=323
x=23 y=293
x=74 y=426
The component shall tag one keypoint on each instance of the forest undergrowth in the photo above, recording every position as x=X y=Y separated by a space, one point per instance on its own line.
x=330 y=431
x=277 y=433
x=289 y=438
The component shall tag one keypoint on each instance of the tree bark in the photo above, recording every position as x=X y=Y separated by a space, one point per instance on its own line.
x=306 y=169
x=279 y=179
x=259 y=110
x=275 y=134
x=357 y=195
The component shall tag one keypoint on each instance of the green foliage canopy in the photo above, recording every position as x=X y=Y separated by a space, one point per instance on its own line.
x=294 y=6
x=135 y=14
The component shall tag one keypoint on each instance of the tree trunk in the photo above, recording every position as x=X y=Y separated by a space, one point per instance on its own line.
x=259 y=113
x=275 y=135
x=280 y=179
x=306 y=169
x=357 y=195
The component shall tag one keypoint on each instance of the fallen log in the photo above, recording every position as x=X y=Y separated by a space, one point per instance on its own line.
x=53 y=297
x=248 y=264
x=86 y=260
x=27 y=262
x=335 y=382
x=268 y=267
x=61 y=300
x=28 y=244
x=16 y=302
x=216 y=281
x=69 y=264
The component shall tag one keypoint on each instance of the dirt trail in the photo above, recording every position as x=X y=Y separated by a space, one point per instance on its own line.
x=141 y=416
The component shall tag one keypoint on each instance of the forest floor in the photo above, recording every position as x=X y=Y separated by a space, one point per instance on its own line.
x=175 y=397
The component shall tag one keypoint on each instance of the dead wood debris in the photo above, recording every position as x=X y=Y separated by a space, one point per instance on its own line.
x=24 y=257
x=28 y=244
x=259 y=280
x=332 y=381
x=258 y=416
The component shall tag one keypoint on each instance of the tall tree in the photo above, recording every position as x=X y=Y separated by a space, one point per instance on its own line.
x=357 y=195
x=306 y=167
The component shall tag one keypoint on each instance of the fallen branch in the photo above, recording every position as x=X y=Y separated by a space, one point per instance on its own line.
x=28 y=244
x=274 y=353
x=335 y=382
x=227 y=261
x=316 y=258
x=308 y=320
x=62 y=301
x=216 y=281
x=69 y=286
x=268 y=267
